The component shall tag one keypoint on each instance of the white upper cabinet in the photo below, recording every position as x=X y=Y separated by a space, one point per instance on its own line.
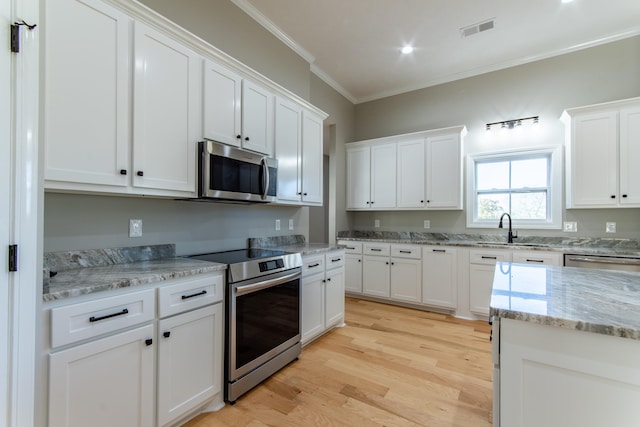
x=237 y=111
x=94 y=140
x=86 y=94
x=411 y=170
x=407 y=172
x=603 y=152
x=299 y=153
x=166 y=101
x=444 y=172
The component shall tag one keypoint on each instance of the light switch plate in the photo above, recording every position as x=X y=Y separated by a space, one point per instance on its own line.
x=427 y=223
x=570 y=226
x=610 y=227
x=277 y=224
x=290 y=223
x=135 y=228
x=376 y=223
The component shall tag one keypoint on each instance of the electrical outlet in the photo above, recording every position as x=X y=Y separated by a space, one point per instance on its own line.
x=277 y=224
x=570 y=226
x=135 y=228
x=376 y=223
x=427 y=223
x=610 y=227
x=290 y=223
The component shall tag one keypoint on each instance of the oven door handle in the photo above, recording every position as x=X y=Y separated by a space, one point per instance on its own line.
x=254 y=287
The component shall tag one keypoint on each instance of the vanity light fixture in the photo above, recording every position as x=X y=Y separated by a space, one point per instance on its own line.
x=510 y=124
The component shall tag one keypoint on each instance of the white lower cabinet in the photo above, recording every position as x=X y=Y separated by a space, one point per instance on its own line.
x=189 y=361
x=375 y=276
x=440 y=276
x=406 y=273
x=353 y=273
x=106 y=382
x=322 y=293
x=482 y=264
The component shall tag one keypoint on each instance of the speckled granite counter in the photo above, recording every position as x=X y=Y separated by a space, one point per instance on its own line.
x=294 y=243
x=601 y=301
x=83 y=272
x=584 y=245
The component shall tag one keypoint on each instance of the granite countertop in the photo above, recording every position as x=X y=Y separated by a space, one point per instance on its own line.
x=583 y=245
x=292 y=243
x=83 y=272
x=600 y=301
x=311 y=248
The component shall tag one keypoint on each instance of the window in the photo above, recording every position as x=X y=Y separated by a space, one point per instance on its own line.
x=525 y=184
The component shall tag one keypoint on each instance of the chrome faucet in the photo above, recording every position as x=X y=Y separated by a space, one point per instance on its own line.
x=510 y=235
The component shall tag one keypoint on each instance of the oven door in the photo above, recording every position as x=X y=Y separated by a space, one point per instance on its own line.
x=230 y=173
x=264 y=320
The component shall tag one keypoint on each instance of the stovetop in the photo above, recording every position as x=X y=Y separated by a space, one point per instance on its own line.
x=238 y=256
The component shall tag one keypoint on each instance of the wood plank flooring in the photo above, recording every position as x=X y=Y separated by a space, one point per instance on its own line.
x=390 y=366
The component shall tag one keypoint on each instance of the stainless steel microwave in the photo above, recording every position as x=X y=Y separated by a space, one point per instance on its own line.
x=227 y=173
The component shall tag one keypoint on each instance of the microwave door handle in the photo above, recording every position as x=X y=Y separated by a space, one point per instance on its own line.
x=265 y=177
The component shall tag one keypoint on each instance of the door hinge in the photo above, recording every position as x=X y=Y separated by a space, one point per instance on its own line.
x=13 y=257
x=15 y=34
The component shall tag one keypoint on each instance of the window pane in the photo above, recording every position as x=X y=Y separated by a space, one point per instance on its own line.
x=529 y=205
x=492 y=175
x=491 y=206
x=529 y=173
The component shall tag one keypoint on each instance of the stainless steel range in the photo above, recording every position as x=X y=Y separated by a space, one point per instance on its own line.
x=262 y=303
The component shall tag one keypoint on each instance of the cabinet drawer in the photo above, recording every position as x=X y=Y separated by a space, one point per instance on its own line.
x=312 y=264
x=406 y=251
x=190 y=294
x=381 y=249
x=351 y=247
x=75 y=322
x=538 y=257
x=488 y=256
x=334 y=259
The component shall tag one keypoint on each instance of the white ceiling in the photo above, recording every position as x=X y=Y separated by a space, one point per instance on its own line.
x=354 y=44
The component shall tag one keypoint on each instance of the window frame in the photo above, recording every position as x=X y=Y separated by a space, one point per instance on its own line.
x=554 y=207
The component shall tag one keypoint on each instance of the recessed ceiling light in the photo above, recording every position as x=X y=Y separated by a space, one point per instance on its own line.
x=567 y=1
x=407 y=50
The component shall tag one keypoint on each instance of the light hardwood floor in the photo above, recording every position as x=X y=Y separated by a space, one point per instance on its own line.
x=390 y=366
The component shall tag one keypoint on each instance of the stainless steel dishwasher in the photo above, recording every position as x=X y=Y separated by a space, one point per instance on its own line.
x=603 y=262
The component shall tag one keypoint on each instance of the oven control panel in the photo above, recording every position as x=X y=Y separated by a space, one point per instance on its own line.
x=272 y=264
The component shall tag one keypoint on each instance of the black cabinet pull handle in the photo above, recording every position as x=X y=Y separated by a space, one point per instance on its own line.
x=405 y=252
x=624 y=196
x=428 y=201
x=421 y=201
x=376 y=250
x=140 y=173
x=148 y=341
x=488 y=257
x=123 y=171
x=329 y=279
x=351 y=248
x=387 y=262
x=439 y=250
x=314 y=265
x=108 y=316
x=246 y=138
x=336 y=259
x=534 y=260
x=238 y=136
x=359 y=260
x=613 y=196
x=304 y=194
x=194 y=295
x=166 y=334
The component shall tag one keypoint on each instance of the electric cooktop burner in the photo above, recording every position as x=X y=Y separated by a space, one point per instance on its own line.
x=238 y=256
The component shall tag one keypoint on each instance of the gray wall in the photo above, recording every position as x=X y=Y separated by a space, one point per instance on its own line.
x=83 y=221
x=599 y=74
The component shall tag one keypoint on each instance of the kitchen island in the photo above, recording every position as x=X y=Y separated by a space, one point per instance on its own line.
x=566 y=346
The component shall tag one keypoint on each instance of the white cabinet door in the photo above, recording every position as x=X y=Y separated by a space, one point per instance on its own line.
x=480 y=286
x=353 y=273
x=167 y=112
x=222 y=104
x=444 y=172
x=288 y=131
x=190 y=350
x=406 y=279
x=358 y=177
x=334 y=297
x=440 y=277
x=86 y=94
x=630 y=156
x=383 y=176
x=375 y=276
x=411 y=174
x=104 y=383
x=257 y=118
x=594 y=156
x=312 y=160
x=313 y=310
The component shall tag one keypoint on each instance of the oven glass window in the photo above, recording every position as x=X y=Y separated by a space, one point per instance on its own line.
x=265 y=319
